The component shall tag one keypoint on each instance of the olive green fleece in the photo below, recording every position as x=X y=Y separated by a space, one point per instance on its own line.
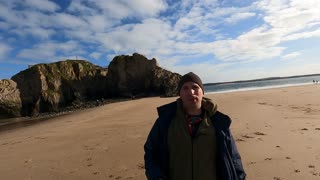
x=192 y=158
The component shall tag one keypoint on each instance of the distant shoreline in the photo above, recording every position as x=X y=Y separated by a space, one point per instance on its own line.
x=258 y=88
x=265 y=83
x=261 y=79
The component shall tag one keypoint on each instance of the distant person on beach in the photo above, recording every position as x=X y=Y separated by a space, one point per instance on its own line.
x=191 y=139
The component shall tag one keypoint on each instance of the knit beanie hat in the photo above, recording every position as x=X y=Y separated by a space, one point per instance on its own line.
x=190 y=77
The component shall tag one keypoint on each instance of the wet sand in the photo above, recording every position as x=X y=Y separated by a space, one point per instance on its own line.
x=277 y=132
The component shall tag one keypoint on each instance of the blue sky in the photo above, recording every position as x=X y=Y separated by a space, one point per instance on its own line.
x=221 y=40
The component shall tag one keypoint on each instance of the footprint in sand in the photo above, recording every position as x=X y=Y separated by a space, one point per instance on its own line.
x=259 y=134
x=317 y=128
x=28 y=161
x=95 y=173
x=268 y=159
x=89 y=163
x=140 y=166
x=88 y=148
x=288 y=157
x=247 y=136
x=311 y=166
x=296 y=170
x=262 y=103
x=238 y=139
x=118 y=177
x=18 y=142
x=40 y=138
x=315 y=173
x=304 y=129
x=260 y=139
x=276 y=178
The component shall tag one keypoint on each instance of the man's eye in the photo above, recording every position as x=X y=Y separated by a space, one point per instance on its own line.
x=195 y=87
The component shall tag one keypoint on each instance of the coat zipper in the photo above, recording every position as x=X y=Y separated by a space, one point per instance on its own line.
x=192 y=158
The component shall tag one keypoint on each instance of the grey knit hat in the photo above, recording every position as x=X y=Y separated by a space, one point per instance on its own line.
x=190 y=77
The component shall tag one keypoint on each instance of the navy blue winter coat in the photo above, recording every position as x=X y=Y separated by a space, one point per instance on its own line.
x=156 y=147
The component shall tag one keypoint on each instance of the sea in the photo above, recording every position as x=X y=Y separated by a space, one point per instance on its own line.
x=261 y=84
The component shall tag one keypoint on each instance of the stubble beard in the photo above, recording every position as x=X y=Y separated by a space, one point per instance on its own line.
x=193 y=106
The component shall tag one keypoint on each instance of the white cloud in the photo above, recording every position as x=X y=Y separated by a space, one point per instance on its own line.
x=146 y=37
x=36 y=54
x=4 y=25
x=7 y=15
x=36 y=32
x=68 y=21
x=51 y=50
x=303 y=35
x=98 y=23
x=235 y=50
x=95 y=55
x=297 y=69
x=291 y=55
x=43 y=5
x=292 y=15
x=78 y=6
x=257 y=44
x=25 y=23
x=4 y=50
x=195 y=29
x=284 y=21
x=149 y=8
x=238 y=17
x=119 y=9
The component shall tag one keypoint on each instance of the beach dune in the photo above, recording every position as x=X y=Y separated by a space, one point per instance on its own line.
x=277 y=132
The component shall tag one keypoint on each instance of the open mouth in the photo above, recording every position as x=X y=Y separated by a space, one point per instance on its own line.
x=193 y=99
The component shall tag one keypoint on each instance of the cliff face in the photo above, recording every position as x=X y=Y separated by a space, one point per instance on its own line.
x=10 y=102
x=165 y=82
x=136 y=76
x=52 y=87
x=49 y=87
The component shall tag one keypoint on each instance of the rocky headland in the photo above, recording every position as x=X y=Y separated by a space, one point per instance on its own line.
x=75 y=84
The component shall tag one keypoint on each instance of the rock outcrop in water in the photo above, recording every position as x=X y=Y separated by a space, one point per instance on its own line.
x=53 y=87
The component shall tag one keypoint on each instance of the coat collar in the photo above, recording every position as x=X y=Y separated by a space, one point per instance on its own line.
x=219 y=120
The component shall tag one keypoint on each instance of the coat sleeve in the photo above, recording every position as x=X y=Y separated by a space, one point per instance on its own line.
x=236 y=158
x=152 y=154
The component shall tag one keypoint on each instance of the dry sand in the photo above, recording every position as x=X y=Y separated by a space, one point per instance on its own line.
x=277 y=132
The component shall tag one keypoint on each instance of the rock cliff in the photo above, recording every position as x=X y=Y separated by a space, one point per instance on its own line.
x=52 y=87
x=49 y=87
x=10 y=102
x=136 y=76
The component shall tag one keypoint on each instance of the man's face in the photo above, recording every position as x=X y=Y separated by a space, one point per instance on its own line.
x=191 y=95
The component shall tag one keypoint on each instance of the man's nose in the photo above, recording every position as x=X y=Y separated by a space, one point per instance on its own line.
x=191 y=91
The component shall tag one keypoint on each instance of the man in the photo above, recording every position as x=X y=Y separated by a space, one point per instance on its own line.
x=191 y=140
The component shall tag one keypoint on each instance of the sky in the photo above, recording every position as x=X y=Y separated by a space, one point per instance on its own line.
x=220 y=40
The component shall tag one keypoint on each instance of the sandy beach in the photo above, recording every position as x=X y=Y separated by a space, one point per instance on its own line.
x=277 y=132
